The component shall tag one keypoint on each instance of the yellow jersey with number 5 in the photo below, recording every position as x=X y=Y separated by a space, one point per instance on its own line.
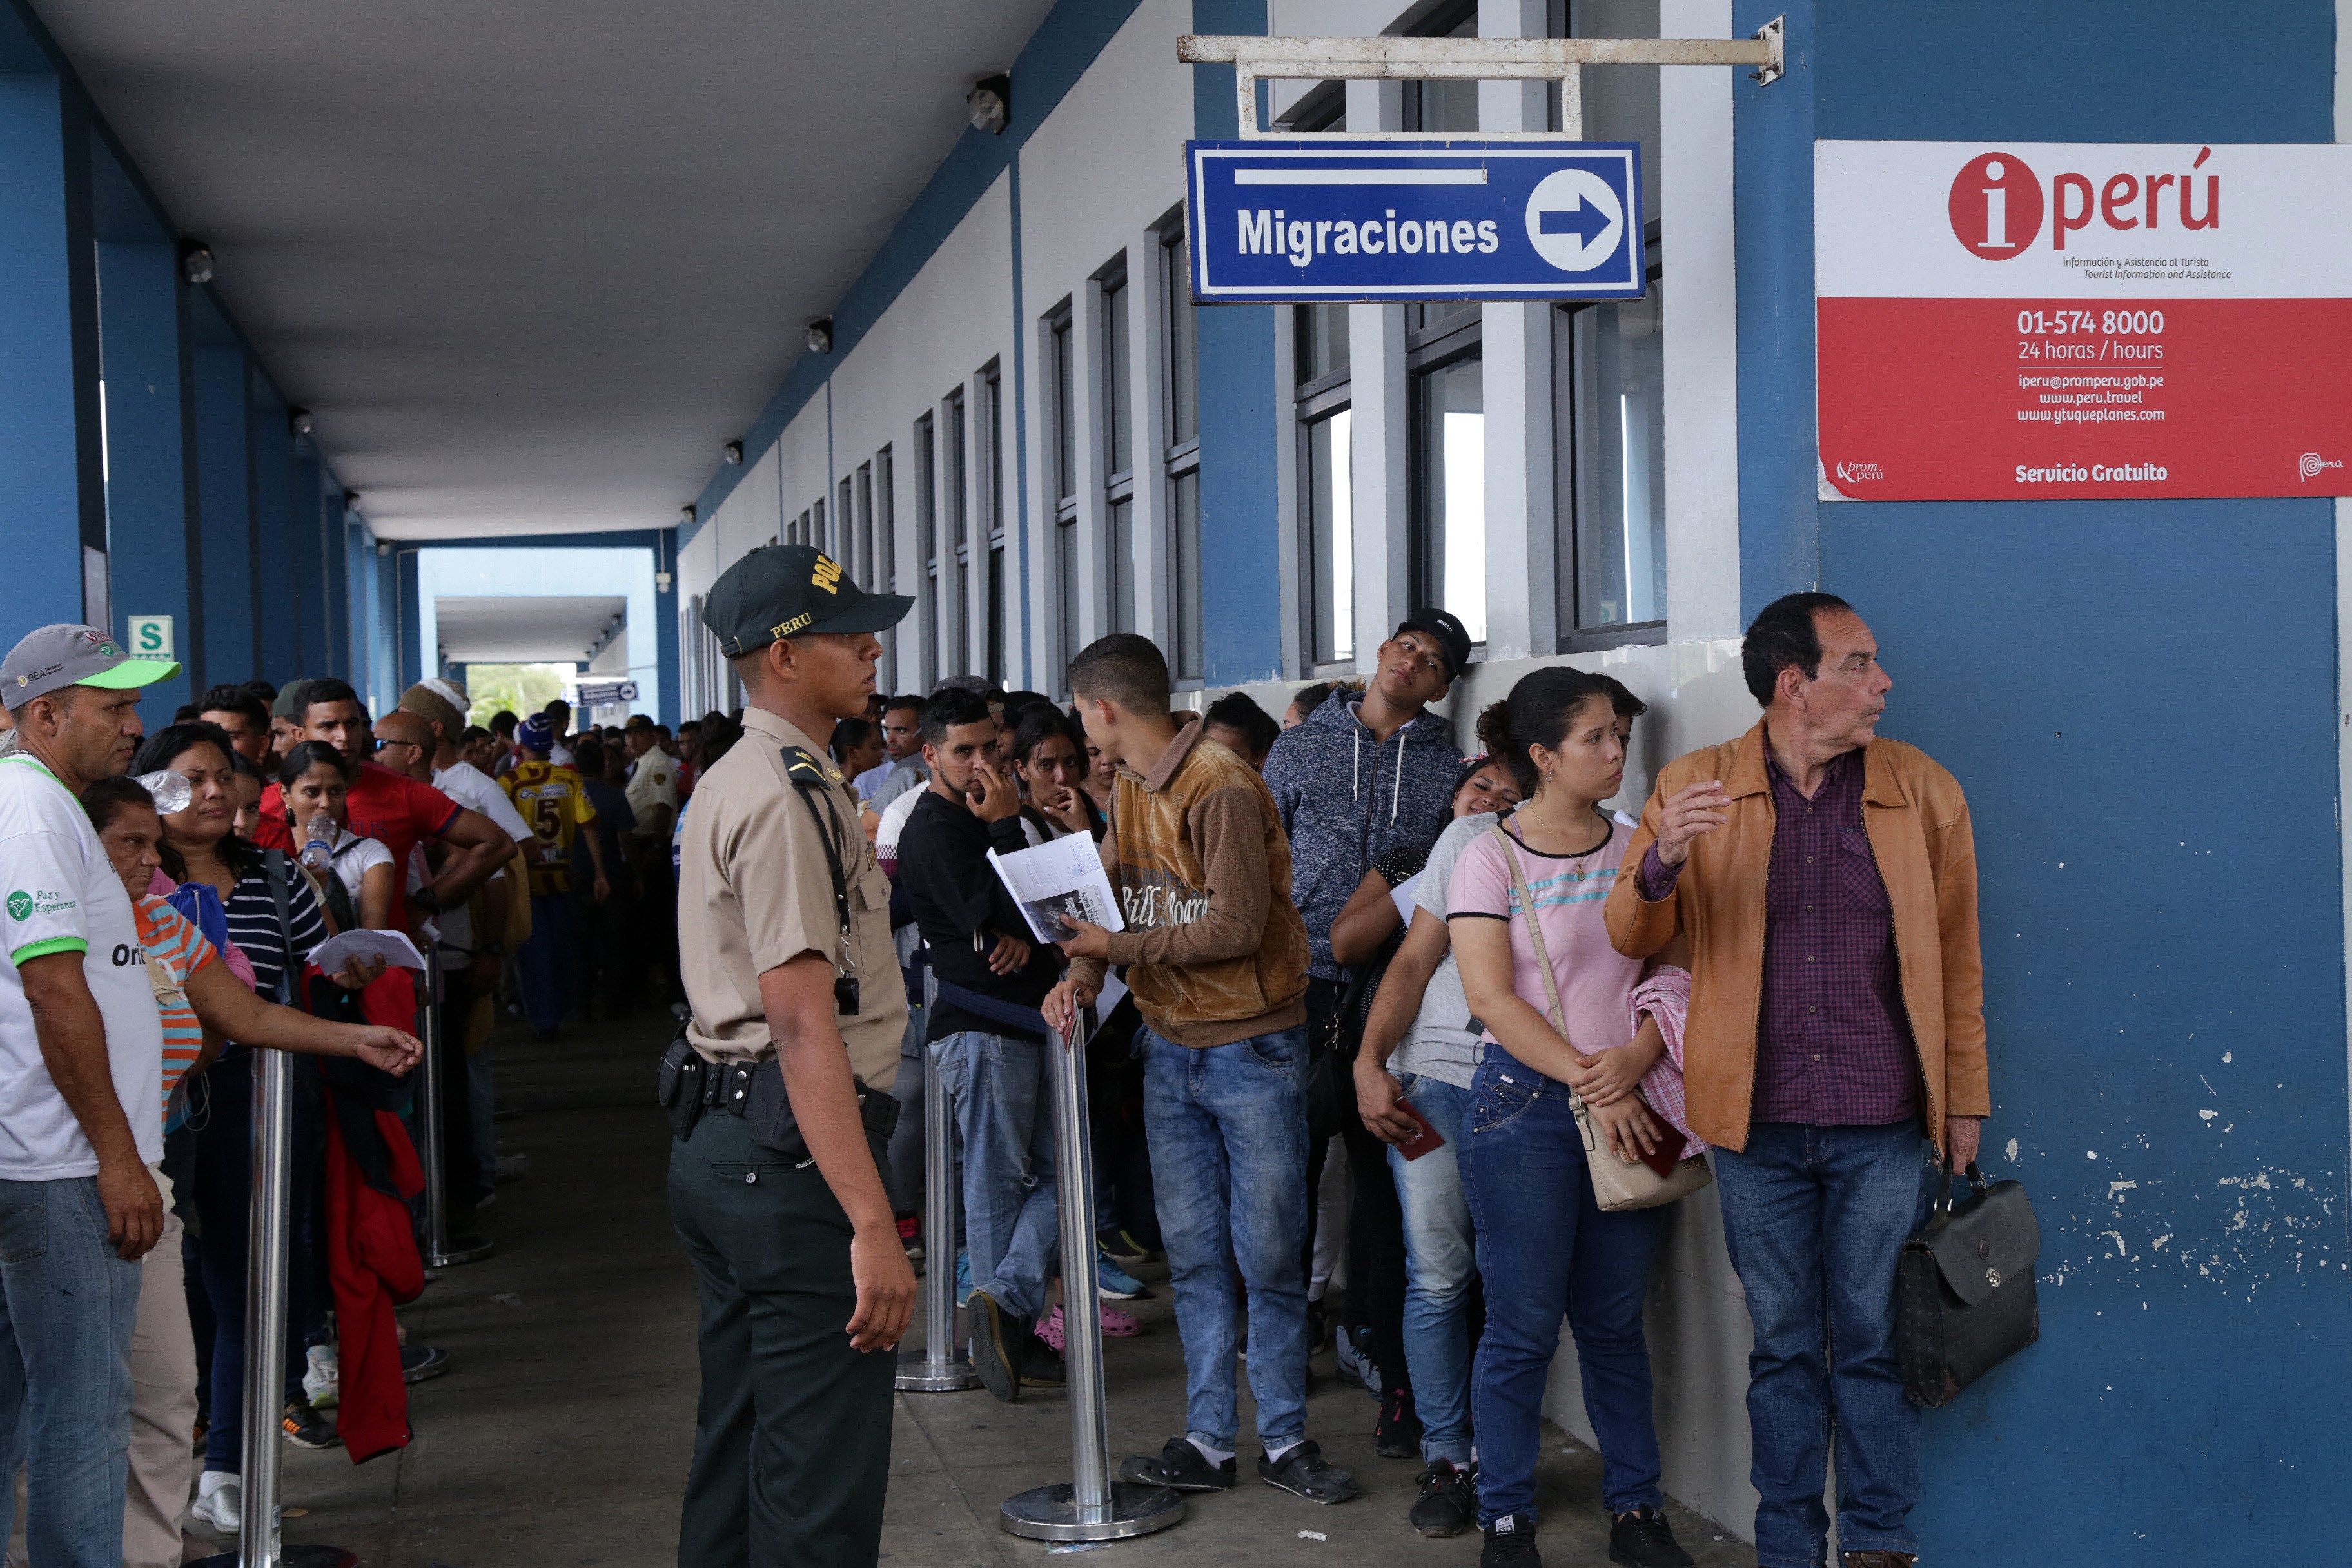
x=554 y=801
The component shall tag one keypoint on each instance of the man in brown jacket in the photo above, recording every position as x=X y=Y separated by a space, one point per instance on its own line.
x=1216 y=957
x=1827 y=881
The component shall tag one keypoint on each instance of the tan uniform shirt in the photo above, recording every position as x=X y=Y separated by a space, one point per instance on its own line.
x=654 y=782
x=754 y=893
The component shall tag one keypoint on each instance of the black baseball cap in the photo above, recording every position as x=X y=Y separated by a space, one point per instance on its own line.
x=1453 y=640
x=787 y=590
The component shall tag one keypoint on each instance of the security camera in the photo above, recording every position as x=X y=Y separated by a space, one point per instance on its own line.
x=989 y=103
x=195 y=261
x=820 y=335
x=299 y=421
x=685 y=512
x=734 y=450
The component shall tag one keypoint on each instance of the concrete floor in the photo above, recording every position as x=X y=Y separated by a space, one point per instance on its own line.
x=562 y=1434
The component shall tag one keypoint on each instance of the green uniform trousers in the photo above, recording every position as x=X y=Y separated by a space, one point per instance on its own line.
x=792 y=1437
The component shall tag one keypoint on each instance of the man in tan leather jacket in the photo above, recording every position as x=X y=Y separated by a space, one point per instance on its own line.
x=1827 y=881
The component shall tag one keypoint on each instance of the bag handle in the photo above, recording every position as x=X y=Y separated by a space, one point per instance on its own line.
x=1559 y=1014
x=1976 y=1184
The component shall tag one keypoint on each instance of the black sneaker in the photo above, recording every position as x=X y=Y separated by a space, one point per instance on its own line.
x=1178 y=1467
x=1397 y=1433
x=1643 y=1539
x=1510 y=1543
x=995 y=1352
x=1124 y=1244
x=1448 y=1504
x=1041 y=1365
x=305 y=1427
x=1304 y=1472
x=418 y=1362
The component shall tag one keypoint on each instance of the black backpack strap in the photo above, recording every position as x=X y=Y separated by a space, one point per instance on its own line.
x=278 y=871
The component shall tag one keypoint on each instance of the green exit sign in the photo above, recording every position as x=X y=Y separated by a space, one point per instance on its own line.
x=149 y=637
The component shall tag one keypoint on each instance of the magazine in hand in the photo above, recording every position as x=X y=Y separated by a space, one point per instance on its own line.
x=1055 y=883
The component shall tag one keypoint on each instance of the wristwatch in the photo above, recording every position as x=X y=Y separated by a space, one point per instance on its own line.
x=427 y=900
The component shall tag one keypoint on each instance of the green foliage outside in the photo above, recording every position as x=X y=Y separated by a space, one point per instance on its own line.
x=522 y=688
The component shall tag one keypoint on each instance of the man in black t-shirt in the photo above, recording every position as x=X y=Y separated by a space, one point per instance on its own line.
x=991 y=1041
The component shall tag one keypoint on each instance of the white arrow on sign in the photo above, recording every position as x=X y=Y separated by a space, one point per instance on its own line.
x=1574 y=219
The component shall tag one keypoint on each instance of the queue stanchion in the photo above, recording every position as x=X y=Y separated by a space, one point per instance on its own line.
x=1092 y=1506
x=940 y=1366
x=265 y=1330
x=441 y=1250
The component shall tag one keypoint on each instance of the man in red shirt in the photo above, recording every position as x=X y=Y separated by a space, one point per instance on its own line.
x=392 y=808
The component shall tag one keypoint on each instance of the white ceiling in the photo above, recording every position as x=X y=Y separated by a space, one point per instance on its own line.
x=520 y=629
x=529 y=263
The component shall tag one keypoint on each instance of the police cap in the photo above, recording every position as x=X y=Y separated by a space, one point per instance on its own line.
x=791 y=590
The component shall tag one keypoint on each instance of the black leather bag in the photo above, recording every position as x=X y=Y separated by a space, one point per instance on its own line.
x=1964 y=1297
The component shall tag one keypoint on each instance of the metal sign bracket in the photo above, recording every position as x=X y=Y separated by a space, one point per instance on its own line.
x=1472 y=59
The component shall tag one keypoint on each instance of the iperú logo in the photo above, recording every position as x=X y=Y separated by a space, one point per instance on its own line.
x=1996 y=206
x=20 y=905
x=2311 y=464
x=1997 y=203
x=1852 y=473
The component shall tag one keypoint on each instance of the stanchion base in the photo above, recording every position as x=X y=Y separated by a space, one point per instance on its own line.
x=461 y=1249
x=288 y=1557
x=917 y=1375
x=1052 y=1513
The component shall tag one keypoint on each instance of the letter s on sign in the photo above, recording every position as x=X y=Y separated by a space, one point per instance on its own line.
x=1489 y=241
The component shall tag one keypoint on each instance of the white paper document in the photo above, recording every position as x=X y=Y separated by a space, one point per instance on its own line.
x=336 y=953
x=1059 y=881
x=1401 y=895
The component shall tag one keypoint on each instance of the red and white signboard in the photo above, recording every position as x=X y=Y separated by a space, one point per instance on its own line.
x=2040 y=320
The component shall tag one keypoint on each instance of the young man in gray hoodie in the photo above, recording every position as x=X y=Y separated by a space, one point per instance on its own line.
x=1360 y=777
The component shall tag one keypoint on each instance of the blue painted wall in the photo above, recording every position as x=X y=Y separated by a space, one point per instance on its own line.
x=231 y=629
x=2156 y=817
x=147 y=519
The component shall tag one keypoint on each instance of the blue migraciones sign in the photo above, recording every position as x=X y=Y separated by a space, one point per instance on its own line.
x=1442 y=219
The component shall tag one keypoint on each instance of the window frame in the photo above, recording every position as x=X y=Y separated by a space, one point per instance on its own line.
x=989 y=450
x=1065 y=579
x=955 y=490
x=927 y=540
x=1429 y=351
x=886 y=549
x=1114 y=422
x=1316 y=400
x=1180 y=457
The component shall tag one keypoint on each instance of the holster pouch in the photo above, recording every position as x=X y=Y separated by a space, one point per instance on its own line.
x=773 y=1127
x=680 y=1087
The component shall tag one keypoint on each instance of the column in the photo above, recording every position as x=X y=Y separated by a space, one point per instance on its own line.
x=665 y=703
x=150 y=471
x=306 y=578
x=1379 y=480
x=231 y=627
x=277 y=593
x=50 y=448
x=1241 y=567
x=1522 y=537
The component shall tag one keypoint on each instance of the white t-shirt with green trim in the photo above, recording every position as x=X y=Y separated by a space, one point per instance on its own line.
x=58 y=893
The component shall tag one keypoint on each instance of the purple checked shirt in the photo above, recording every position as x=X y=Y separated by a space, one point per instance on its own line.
x=1833 y=1042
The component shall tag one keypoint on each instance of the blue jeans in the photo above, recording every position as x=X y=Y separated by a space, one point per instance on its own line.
x=67 y=1304
x=1815 y=1218
x=1439 y=1262
x=1546 y=1248
x=1228 y=1132
x=1004 y=1110
x=547 y=964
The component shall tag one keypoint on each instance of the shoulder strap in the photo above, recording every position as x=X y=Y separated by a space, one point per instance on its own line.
x=1535 y=930
x=275 y=869
x=808 y=778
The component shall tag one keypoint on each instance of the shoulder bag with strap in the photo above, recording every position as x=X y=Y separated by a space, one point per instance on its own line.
x=1964 y=1299
x=1615 y=1184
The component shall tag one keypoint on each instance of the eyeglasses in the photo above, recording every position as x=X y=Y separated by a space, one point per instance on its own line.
x=382 y=746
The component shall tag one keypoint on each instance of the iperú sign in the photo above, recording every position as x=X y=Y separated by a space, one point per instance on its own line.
x=1378 y=219
x=2042 y=320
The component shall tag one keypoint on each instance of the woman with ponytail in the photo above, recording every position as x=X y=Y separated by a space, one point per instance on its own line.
x=1546 y=1247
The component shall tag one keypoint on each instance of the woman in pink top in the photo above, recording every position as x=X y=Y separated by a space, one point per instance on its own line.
x=1545 y=1247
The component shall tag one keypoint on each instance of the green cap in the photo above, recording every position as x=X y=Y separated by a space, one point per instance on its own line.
x=55 y=657
x=289 y=703
x=791 y=590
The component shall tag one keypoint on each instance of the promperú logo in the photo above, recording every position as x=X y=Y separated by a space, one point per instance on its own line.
x=20 y=905
x=2311 y=464
x=1852 y=473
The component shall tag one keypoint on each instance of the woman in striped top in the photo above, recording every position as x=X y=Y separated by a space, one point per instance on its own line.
x=194 y=989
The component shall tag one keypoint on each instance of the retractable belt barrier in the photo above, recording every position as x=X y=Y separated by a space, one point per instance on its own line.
x=940 y=1366
x=1092 y=1507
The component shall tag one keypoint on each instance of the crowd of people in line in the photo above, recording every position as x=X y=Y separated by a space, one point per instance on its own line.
x=1388 y=1002
x=1379 y=1012
x=173 y=894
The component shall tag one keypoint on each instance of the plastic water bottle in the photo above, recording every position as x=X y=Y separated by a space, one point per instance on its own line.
x=317 y=854
x=170 y=791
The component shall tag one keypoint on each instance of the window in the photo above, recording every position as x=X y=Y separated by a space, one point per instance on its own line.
x=959 y=500
x=813 y=534
x=992 y=506
x=926 y=541
x=861 y=544
x=845 y=528
x=1060 y=461
x=1326 y=509
x=1609 y=387
x=1118 y=407
x=1180 y=456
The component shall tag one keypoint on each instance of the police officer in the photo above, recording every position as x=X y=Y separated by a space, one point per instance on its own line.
x=780 y=1090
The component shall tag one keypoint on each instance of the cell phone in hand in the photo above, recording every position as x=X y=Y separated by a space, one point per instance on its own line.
x=1425 y=1141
